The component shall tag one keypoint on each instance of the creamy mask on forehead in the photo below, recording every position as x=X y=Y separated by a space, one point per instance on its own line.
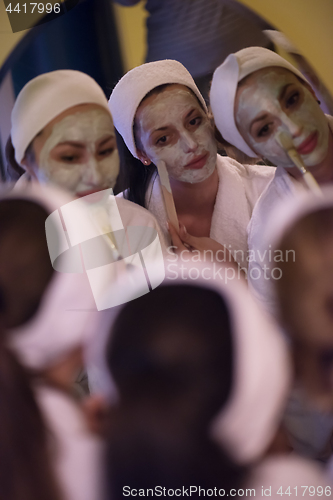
x=168 y=132
x=84 y=167
x=286 y=105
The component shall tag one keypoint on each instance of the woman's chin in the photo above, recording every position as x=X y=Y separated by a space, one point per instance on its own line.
x=196 y=176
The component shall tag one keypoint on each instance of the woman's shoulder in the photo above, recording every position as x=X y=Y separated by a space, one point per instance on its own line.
x=245 y=170
x=134 y=213
x=254 y=178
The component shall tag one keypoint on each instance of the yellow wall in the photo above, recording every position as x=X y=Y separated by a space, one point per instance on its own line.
x=8 y=39
x=131 y=22
x=308 y=24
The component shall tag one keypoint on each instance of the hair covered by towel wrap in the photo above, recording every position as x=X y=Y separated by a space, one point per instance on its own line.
x=47 y=96
x=135 y=85
x=224 y=87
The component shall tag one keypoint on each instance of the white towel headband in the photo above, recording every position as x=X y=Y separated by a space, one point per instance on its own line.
x=249 y=420
x=292 y=209
x=135 y=85
x=224 y=86
x=66 y=316
x=44 y=98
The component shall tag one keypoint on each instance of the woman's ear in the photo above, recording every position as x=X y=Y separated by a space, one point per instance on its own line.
x=28 y=166
x=29 y=162
x=25 y=164
x=143 y=157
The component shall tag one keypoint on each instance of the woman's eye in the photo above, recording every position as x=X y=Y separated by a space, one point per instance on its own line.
x=161 y=140
x=106 y=152
x=68 y=158
x=264 y=131
x=292 y=99
x=195 y=121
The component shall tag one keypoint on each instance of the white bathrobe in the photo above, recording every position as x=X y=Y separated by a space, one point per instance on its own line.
x=239 y=188
x=130 y=215
x=76 y=453
x=134 y=215
x=281 y=186
x=288 y=475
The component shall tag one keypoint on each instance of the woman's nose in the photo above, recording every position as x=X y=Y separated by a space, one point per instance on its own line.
x=293 y=127
x=91 y=175
x=189 y=142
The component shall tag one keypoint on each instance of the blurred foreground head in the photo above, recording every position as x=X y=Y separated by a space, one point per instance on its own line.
x=25 y=271
x=202 y=378
x=47 y=313
x=304 y=226
x=41 y=329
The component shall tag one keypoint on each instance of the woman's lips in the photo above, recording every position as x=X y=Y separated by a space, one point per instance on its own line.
x=197 y=162
x=80 y=194
x=309 y=144
x=97 y=192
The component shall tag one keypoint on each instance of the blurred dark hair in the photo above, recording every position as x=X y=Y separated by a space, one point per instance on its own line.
x=134 y=177
x=25 y=266
x=14 y=170
x=25 y=466
x=170 y=354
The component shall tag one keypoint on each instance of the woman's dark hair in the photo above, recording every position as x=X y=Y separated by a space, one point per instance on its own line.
x=14 y=170
x=25 y=265
x=170 y=354
x=25 y=466
x=134 y=177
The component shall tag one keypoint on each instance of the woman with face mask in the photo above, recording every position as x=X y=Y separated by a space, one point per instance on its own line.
x=62 y=133
x=161 y=116
x=255 y=95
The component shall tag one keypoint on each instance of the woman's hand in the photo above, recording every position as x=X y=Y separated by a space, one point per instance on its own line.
x=184 y=241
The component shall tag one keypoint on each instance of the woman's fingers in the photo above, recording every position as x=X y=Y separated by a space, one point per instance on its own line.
x=177 y=242
x=193 y=241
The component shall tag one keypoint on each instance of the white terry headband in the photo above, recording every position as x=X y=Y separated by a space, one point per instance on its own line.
x=290 y=210
x=44 y=98
x=135 y=85
x=224 y=87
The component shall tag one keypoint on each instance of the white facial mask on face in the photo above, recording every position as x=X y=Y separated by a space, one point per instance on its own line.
x=86 y=128
x=184 y=142
x=300 y=122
